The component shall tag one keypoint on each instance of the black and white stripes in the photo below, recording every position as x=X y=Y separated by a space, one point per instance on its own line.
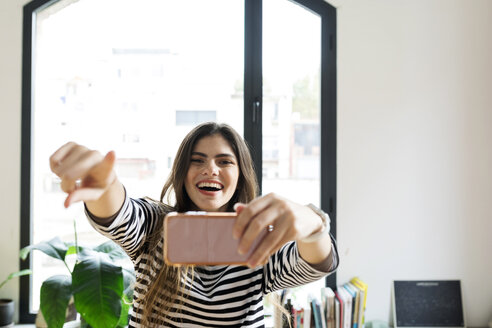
x=220 y=296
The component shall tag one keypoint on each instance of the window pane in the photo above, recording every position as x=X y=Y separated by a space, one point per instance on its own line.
x=193 y=117
x=130 y=76
x=291 y=105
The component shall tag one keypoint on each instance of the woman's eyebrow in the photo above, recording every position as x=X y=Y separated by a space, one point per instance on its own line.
x=197 y=153
x=225 y=155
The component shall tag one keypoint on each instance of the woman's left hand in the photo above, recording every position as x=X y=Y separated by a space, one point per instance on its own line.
x=287 y=220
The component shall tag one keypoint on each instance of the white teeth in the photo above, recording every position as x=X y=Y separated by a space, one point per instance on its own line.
x=209 y=184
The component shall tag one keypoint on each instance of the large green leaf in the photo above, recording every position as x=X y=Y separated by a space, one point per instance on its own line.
x=98 y=287
x=54 y=248
x=112 y=249
x=125 y=308
x=55 y=295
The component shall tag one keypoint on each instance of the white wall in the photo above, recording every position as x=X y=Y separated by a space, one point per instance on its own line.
x=10 y=140
x=414 y=147
x=414 y=159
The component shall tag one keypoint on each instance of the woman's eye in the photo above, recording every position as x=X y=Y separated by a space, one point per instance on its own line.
x=226 y=162
x=196 y=160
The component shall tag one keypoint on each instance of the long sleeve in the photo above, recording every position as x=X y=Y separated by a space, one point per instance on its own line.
x=287 y=269
x=137 y=219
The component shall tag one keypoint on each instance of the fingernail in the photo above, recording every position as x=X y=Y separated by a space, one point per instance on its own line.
x=240 y=250
x=235 y=206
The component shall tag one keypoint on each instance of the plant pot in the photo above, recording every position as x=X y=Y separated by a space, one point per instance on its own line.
x=6 y=312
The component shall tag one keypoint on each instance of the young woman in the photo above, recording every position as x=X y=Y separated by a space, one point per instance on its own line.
x=212 y=171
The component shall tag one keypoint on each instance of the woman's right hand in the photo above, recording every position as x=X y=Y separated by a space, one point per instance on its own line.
x=85 y=174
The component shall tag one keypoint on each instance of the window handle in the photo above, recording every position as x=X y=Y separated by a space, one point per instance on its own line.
x=256 y=109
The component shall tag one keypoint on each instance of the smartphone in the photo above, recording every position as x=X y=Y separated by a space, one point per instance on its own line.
x=203 y=238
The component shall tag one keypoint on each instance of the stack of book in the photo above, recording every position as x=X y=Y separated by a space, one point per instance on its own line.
x=342 y=308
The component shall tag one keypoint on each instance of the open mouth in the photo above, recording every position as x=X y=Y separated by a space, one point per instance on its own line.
x=210 y=186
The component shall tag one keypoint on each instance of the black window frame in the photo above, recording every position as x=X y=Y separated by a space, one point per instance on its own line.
x=252 y=116
x=253 y=91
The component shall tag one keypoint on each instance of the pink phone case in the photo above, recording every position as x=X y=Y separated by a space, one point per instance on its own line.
x=201 y=238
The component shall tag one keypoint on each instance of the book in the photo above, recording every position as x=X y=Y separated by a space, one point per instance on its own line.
x=362 y=285
x=337 y=312
x=324 y=304
x=328 y=296
x=322 y=314
x=322 y=311
x=341 y=310
x=355 y=302
x=361 y=305
x=316 y=310
x=347 y=306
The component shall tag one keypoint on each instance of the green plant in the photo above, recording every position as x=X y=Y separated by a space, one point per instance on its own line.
x=102 y=289
x=15 y=274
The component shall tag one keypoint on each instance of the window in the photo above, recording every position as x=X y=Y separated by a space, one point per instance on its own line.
x=160 y=62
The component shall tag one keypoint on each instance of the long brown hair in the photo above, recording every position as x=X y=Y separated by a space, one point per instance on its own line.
x=168 y=284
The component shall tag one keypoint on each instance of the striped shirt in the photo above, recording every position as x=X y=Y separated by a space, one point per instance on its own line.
x=221 y=295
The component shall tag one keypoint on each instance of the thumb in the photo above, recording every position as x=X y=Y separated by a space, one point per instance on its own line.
x=239 y=207
x=109 y=159
x=104 y=167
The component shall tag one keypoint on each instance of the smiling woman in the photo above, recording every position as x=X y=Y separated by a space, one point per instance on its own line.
x=212 y=172
x=181 y=63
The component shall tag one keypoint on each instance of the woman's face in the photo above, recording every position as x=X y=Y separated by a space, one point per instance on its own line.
x=213 y=174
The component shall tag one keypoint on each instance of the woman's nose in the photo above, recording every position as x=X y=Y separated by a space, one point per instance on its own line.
x=211 y=169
